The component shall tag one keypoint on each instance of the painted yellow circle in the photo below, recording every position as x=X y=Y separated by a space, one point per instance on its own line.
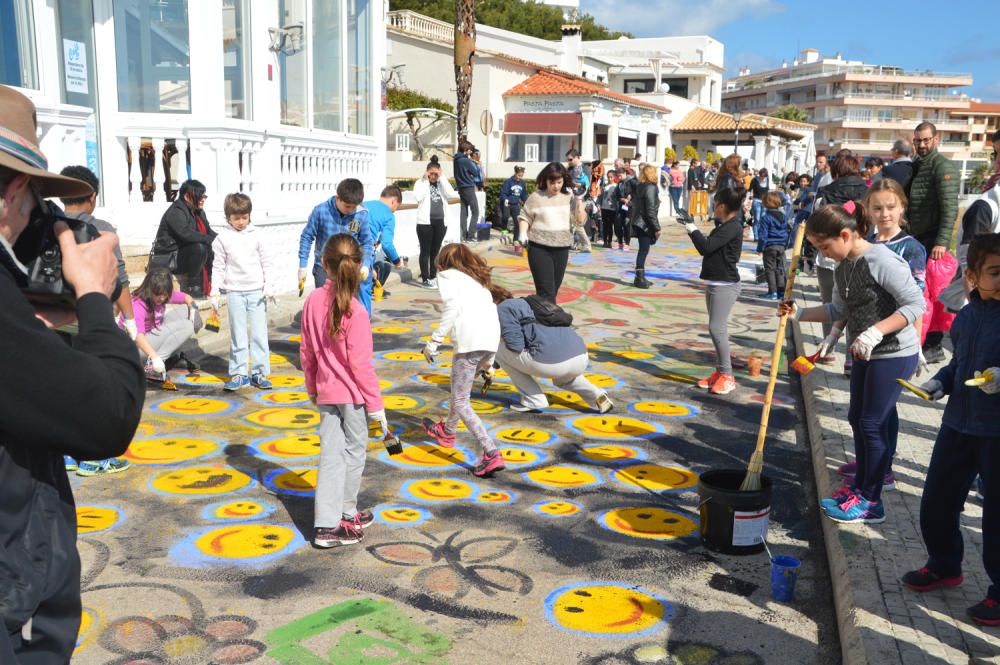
x=427 y=455
x=613 y=427
x=427 y=338
x=246 y=541
x=518 y=456
x=401 y=515
x=562 y=477
x=303 y=480
x=650 y=523
x=445 y=489
x=608 y=453
x=656 y=477
x=607 y=610
x=292 y=446
x=287 y=380
x=201 y=480
x=94 y=518
x=444 y=365
x=669 y=409
x=524 y=436
x=601 y=380
x=203 y=380
x=558 y=508
x=404 y=356
x=495 y=496
x=564 y=399
x=391 y=330
x=384 y=384
x=285 y=418
x=295 y=339
x=285 y=397
x=278 y=359
x=169 y=450
x=87 y=624
x=481 y=406
x=435 y=379
x=194 y=406
x=399 y=402
x=635 y=355
x=237 y=510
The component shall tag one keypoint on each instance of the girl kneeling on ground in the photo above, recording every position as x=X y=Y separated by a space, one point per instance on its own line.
x=161 y=331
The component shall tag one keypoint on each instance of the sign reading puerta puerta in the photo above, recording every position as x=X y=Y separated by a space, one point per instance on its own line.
x=545 y=106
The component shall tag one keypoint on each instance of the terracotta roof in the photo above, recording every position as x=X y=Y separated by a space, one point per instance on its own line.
x=547 y=83
x=977 y=108
x=707 y=121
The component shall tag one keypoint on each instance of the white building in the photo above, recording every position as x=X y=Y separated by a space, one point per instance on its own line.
x=280 y=100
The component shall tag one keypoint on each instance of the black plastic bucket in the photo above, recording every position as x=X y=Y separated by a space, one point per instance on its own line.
x=733 y=522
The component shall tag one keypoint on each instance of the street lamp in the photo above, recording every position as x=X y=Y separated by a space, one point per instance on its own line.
x=831 y=143
x=737 y=116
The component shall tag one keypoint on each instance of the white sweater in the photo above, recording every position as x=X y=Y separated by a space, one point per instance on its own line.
x=242 y=262
x=422 y=192
x=469 y=316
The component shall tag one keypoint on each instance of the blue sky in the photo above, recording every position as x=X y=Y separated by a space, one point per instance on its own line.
x=916 y=34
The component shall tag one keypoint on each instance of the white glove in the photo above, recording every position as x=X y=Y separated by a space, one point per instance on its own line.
x=131 y=329
x=156 y=362
x=992 y=386
x=430 y=352
x=921 y=363
x=830 y=341
x=486 y=365
x=216 y=302
x=690 y=228
x=865 y=343
x=364 y=273
x=934 y=389
x=379 y=417
x=303 y=273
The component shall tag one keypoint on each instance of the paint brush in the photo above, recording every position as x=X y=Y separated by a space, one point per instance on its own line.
x=805 y=364
x=392 y=443
x=983 y=378
x=487 y=381
x=302 y=286
x=164 y=382
x=212 y=323
x=922 y=394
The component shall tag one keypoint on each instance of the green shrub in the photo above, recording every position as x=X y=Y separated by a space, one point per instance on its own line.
x=493 y=187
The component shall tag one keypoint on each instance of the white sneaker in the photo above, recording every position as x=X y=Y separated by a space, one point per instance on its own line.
x=521 y=408
x=433 y=283
x=604 y=403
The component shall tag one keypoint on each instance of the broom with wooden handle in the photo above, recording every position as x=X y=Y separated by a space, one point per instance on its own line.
x=751 y=482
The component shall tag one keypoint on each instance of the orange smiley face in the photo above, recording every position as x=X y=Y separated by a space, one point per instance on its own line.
x=562 y=476
x=557 y=508
x=302 y=446
x=656 y=478
x=169 y=450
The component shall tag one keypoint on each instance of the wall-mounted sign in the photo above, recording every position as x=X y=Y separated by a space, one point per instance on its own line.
x=75 y=66
x=532 y=105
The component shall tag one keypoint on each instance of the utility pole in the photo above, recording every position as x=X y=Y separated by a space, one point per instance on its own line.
x=465 y=49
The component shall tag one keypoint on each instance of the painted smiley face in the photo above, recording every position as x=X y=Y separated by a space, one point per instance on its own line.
x=482 y=407
x=299 y=481
x=439 y=489
x=610 y=454
x=602 y=380
x=201 y=380
x=550 y=508
x=90 y=519
x=525 y=436
x=495 y=496
x=665 y=409
x=384 y=384
x=562 y=476
x=515 y=456
x=606 y=609
x=647 y=522
x=287 y=380
x=285 y=418
x=245 y=541
x=434 y=378
x=284 y=397
x=236 y=510
x=566 y=400
x=401 y=402
x=398 y=515
x=404 y=356
x=655 y=477
x=294 y=339
x=603 y=427
x=201 y=480
x=300 y=446
x=277 y=359
x=428 y=456
x=194 y=406
x=169 y=450
x=391 y=330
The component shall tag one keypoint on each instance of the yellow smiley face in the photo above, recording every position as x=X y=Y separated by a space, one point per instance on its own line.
x=427 y=338
x=495 y=496
x=440 y=489
x=285 y=418
x=384 y=384
x=435 y=379
x=558 y=508
x=401 y=515
x=237 y=510
x=482 y=407
x=245 y=541
x=609 y=453
x=427 y=455
x=201 y=480
x=649 y=523
x=404 y=356
x=613 y=427
x=95 y=518
x=194 y=406
x=296 y=480
x=519 y=456
x=655 y=477
x=169 y=450
x=563 y=477
x=564 y=399
x=202 y=380
x=605 y=609
x=294 y=339
x=391 y=330
x=601 y=380
x=291 y=447
x=277 y=359
x=287 y=380
x=665 y=409
x=284 y=397
x=524 y=435
x=400 y=402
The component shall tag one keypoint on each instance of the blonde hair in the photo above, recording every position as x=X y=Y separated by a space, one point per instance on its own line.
x=649 y=173
x=342 y=260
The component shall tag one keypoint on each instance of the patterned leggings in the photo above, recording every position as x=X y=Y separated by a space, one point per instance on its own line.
x=463 y=375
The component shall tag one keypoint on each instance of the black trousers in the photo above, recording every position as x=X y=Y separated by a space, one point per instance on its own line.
x=608 y=219
x=548 y=266
x=192 y=260
x=774 y=269
x=430 y=236
x=469 y=204
x=645 y=240
x=622 y=227
x=507 y=215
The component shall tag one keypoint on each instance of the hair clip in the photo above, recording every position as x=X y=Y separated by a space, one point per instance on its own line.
x=849 y=207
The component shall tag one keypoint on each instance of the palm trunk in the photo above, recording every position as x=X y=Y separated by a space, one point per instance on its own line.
x=465 y=48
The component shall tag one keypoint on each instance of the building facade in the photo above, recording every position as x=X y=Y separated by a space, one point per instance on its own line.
x=278 y=99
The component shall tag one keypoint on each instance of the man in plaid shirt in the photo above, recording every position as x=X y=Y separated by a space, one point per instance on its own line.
x=342 y=213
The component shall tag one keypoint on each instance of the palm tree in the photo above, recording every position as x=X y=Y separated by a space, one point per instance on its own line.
x=465 y=48
x=791 y=112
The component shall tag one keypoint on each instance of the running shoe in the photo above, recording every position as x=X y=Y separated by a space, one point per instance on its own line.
x=604 y=403
x=857 y=509
x=522 y=408
x=101 y=467
x=709 y=382
x=362 y=519
x=70 y=463
x=924 y=579
x=236 y=382
x=986 y=613
x=345 y=534
x=724 y=385
x=489 y=464
x=839 y=496
x=437 y=431
x=260 y=382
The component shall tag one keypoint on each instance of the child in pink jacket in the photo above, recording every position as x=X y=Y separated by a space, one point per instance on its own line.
x=336 y=354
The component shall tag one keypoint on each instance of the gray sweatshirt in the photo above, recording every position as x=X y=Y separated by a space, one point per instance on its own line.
x=545 y=344
x=872 y=287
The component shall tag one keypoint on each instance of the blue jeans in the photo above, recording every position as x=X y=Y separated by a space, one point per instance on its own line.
x=675 y=196
x=874 y=392
x=248 y=310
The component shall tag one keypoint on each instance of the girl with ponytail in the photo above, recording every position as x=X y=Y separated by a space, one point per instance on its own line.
x=336 y=354
x=877 y=298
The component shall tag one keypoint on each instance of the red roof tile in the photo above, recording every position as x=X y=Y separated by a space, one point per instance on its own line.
x=550 y=84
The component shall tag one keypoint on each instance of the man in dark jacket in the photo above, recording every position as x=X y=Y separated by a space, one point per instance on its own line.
x=82 y=398
x=512 y=197
x=466 y=172
x=901 y=168
x=184 y=229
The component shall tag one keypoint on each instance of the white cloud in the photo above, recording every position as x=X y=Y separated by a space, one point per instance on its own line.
x=675 y=17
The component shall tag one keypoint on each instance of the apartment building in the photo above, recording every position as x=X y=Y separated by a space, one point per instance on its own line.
x=859 y=106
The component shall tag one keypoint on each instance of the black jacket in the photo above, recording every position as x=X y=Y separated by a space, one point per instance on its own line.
x=178 y=227
x=721 y=249
x=82 y=398
x=901 y=172
x=842 y=190
x=645 y=208
x=727 y=181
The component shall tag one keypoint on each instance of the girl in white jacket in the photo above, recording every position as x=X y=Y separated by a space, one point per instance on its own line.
x=470 y=317
x=432 y=193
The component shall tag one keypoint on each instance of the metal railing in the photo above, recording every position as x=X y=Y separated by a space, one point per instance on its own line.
x=424 y=26
x=835 y=70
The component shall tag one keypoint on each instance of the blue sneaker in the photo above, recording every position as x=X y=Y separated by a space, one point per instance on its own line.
x=101 y=467
x=236 y=382
x=260 y=381
x=857 y=509
x=842 y=494
x=769 y=296
x=70 y=463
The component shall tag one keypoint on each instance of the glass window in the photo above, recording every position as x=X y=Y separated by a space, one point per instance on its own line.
x=17 y=44
x=359 y=73
x=292 y=63
x=151 y=43
x=236 y=56
x=78 y=70
x=327 y=80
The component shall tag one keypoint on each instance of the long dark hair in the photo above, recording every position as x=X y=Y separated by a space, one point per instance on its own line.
x=830 y=220
x=459 y=257
x=157 y=282
x=553 y=171
x=342 y=260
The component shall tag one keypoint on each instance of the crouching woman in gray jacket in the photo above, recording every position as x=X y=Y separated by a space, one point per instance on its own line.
x=530 y=350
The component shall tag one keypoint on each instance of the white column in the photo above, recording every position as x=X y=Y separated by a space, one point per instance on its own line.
x=662 y=139
x=587 y=131
x=135 y=173
x=207 y=79
x=616 y=113
x=640 y=147
x=156 y=173
x=771 y=154
x=759 y=151
x=182 y=161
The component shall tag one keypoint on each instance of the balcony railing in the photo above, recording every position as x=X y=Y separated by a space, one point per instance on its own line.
x=752 y=83
x=418 y=24
x=889 y=95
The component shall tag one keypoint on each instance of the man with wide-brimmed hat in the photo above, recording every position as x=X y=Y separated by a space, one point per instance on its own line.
x=82 y=399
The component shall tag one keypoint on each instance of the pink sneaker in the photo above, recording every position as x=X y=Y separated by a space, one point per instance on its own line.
x=437 y=432
x=489 y=464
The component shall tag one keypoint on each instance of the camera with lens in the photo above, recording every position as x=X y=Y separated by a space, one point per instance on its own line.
x=38 y=249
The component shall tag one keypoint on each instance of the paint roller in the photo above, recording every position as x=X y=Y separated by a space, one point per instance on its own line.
x=983 y=378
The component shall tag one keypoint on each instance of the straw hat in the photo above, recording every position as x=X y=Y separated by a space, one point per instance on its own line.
x=19 y=149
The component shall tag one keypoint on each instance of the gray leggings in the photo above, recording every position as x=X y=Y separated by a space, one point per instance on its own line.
x=343 y=444
x=826 y=284
x=463 y=375
x=175 y=329
x=720 y=298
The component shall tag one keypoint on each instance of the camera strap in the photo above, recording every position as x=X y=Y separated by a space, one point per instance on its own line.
x=13 y=266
